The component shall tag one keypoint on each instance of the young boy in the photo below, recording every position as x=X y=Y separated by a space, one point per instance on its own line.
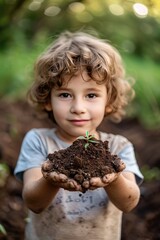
x=79 y=80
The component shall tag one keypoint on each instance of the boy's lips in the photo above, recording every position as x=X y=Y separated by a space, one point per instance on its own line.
x=79 y=121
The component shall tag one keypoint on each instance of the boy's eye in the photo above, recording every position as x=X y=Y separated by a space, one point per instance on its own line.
x=64 y=95
x=91 y=95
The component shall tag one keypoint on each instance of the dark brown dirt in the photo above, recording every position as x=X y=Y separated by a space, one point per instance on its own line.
x=141 y=224
x=83 y=160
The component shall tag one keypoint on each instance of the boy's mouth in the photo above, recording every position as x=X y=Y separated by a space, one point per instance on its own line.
x=79 y=121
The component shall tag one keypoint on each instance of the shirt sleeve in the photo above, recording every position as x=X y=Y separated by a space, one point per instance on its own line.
x=32 y=154
x=128 y=156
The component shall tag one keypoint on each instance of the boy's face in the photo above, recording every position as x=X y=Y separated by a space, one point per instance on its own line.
x=78 y=106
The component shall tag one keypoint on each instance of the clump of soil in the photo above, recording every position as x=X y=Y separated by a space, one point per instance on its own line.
x=83 y=160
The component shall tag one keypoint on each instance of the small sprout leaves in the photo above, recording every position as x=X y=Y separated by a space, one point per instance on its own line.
x=88 y=138
x=86 y=145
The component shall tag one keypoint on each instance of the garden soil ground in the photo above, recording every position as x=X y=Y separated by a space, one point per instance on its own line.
x=17 y=118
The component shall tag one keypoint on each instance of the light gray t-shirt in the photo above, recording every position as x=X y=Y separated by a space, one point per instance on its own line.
x=71 y=215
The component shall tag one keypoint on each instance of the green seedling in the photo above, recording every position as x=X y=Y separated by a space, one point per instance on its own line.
x=88 y=138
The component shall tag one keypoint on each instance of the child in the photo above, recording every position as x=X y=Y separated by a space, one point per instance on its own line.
x=79 y=80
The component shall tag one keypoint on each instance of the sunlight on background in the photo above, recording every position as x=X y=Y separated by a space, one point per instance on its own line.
x=140 y=10
x=35 y=5
x=77 y=7
x=52 y=11
x=98 y=8
x=116 y=9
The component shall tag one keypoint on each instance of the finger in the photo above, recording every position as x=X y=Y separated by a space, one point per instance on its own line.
x=108 y=178
x=96 y=182
x=122 y=166
x=46 y=166
x=53 y=176
x=56 y=177
x=63 y=178
x=85 y=184
x=45 y=175
x=72 y=185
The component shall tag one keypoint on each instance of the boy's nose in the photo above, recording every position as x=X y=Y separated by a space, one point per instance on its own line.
x=77 y=107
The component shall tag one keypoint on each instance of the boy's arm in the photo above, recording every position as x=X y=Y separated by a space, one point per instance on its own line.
x=38 y=192
x=121 y=188
x=124 y=192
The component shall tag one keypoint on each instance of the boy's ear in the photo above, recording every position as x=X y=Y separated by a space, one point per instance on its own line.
x=108 y=109
x=48 y=106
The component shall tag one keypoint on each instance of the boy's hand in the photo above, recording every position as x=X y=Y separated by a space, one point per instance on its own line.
x=70 y=184
x=97 y=182
x=62 y=181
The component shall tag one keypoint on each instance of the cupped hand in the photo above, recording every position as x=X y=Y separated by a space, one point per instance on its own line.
x=62 y=181
x=97 y=182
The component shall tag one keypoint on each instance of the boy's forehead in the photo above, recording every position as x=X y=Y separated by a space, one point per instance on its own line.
x=77 y=75
x=80 y=80
x=80 y=74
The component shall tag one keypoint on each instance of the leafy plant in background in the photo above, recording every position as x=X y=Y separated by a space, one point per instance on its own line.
x=17 y=63
x=150 y=174
x=4 y=173
x=3 y=230
x=146 y=105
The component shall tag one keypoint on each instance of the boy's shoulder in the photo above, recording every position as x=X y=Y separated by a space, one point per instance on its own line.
x=46 y=138
x=40 y=135
x=112 y=137
x=116 y=142
x=41 y=132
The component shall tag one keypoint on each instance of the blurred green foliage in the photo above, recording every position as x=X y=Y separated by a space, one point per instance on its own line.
x=28 y=26
x=3 y=230
x=146 y=105
x=150 y=174
x=4 y=173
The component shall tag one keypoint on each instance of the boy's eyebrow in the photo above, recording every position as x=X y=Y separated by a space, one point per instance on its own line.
x=94 y=89
x=62 y=89
x=69 y=89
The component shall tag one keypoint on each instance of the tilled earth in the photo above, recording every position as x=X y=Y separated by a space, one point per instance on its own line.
x=140 y=224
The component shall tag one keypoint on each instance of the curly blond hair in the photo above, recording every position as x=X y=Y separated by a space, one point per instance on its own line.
x=73 y=52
